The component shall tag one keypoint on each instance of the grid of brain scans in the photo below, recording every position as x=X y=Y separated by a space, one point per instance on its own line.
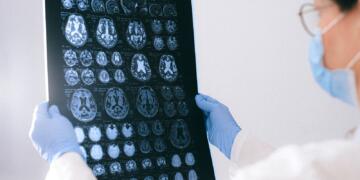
x=124 y=89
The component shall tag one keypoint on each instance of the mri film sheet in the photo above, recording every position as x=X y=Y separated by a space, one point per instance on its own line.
x=124 y=73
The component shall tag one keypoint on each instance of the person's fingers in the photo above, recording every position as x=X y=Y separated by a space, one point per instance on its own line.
x=54 y=111
x=204 y=104
x=207 y=124
x=41 y=109
x=208 y=98
x=40 y=112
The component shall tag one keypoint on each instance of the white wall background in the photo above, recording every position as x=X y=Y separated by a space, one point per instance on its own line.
x=252 y=56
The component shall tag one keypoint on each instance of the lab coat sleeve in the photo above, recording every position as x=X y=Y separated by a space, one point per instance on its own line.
x=69 y=166
x=332 y=160
x=248 y=149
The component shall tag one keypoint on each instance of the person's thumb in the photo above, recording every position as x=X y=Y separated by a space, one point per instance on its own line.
x=204 y=104
x=54 y=111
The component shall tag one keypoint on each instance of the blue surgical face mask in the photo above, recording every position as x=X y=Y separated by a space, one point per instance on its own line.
x=339 y=83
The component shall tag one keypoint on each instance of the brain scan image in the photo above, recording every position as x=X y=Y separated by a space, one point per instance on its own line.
x=80 y=135
x=161 y=162
x=135 y=35
x=145 y=146
x=149 y=178
x=71 y=77
x=163 y=177
x=146 y=102
x=167 y=93
x=83 y=152
x=146 y=164
x=86 y=58
x=179 y=93
x=113 y=151
x=155 y=10
x=128 y=6
x=112 y=7
x=172 y=43
x=170 y=26
x=112 y=132
x=106 y=34
x=115 y=168
x=75 y=31
x=178 y=176
x=134 y=6
x=116 y=103
x=119 y=68
x=116 y=59
x=156 y=26
x=158 y=128
x=98 y=170
x=96 y=152
x=119 y=76
x=131 y=166
x=98 y=6
x=67 y=4
x=83 y=5
x=143 y=129
x=101 y=58
x=70 y=58
x=176 y=161
x=127 y=130
x=192 y=175
x=129 y=149
x=88 y=77
x=179 y=134
x=183 y=108
x=169 y=10
x=189 y=159
x=158 y=43
x=140 y=68
x=83 y=106
x=169 y=109
x=104 y=76
x=94 y=134
x=159 y=145
x=167 y=68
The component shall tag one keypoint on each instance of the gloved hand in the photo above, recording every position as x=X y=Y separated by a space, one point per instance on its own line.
x=220 y=124
x=51 y=133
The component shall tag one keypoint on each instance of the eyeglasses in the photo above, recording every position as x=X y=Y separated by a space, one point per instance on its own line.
x=310 y=16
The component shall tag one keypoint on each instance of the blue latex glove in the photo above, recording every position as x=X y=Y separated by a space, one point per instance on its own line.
x=221 y=126
x=51 y=133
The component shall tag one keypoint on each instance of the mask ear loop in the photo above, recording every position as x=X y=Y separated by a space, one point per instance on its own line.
x=333 y=23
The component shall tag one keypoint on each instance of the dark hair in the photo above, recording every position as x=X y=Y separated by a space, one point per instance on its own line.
x=346 y=5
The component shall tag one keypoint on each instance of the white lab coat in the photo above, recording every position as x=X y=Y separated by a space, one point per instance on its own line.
x=332 y=160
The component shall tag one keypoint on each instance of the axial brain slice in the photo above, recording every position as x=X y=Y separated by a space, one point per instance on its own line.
x=147 y=103
x=135 y=35
x=116 y=103
x=134 y=6
x=68 y=4
x=83 y=4
x=140 y=68
x=106 y=34
x=179 y=134
x=167 y=68
x=71 y=77
x=98 y=6
x=83 y=106
x=86 y=58
x=112 y=7
x=75 y=31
